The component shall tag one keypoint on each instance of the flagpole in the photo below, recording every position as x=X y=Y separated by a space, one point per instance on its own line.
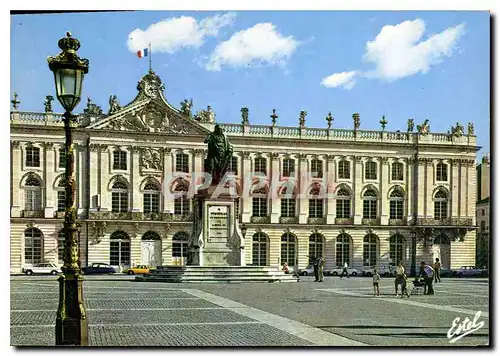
x=150 y=56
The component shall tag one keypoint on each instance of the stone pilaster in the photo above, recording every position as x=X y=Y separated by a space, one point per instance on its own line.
x=273 y=194
x=246 y=200
x=135 y=179
x=105 y=193
x=471 y=190
x=303 y=182
x=462 y=209
x=94 y=176
x=421 y=187
x=16 y=164
x=168 y=204
x=383 y=188
x=358 y=186
x=454 y=187
x=80 y=172
x=331 y=212
x=410 y=168
x=429 y=184
x=49 y=170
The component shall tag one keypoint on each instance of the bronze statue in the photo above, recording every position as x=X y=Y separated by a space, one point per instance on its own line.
x=48 y=103
x=219 y=154
x=411 y=125
x=356 y=120
x=470 y=129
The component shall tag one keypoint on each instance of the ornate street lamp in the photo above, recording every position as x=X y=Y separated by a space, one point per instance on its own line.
x=413 y=269
x=71 y=320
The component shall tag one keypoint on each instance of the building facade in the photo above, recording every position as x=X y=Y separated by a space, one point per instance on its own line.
x=483 y=212
x=362 y=197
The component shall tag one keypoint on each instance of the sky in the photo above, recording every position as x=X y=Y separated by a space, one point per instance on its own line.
x=402 y=64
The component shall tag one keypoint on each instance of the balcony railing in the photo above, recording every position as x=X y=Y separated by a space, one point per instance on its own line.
x=370 y=222
x=289 y=220
x=445 y=222
x=260 y=219
x=59 y=214
x=33 y=214
x=344 y=221
x=316 y=221
x=397 y=222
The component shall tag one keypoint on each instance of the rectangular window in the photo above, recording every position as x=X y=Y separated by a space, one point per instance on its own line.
x=181 y=206
x=151 y=203
x=259 y=207
x=233 y=166
x=260 y=165
x=61 y=200
x=62 y=157
x=119 y=202
x=397 y=171
x=288 y=167
x=182 y=162
x=371 y=170
x=180 y=249
x=317 y=168
x=33 y=200
x=440 y=210
x=315 y=208
x=32 y=157
x=345 y=170
x=287 y=208
x=343 y=208
x=369 y=209
x=396 y=209
x=441 y=172
x=120 y=160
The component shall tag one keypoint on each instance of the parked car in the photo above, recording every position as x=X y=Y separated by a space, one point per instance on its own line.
x=445 y=272
x=98 y=268
x=469 y=271
x=338 y=270
x=308 y=271
x=139 y=269
x=42 y=268
x=385 y=271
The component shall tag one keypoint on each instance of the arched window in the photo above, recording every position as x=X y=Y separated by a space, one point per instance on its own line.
x=151 y=198
x=442 y=239
x=315 y=247
x=259 y=202
x=396 y=200
x=370 y=204
x=343 y=250
x=288 y=249
x=259 y=249
x=33 y=188
x=315 y=203
x=371 y=170
x=370 y=247
x=150 y=236
x=120 y=159
x=181 y=202
x=441 y=172
x=343 y=204
x=182 y=162
x=317 y=168
x=33 y=246
x=440 y=205
x=180 y=247
x=288 y=203
x=288 y=167
x=61 y=195
x=60 y=246
x=397 y=171
x=344 y=169
x=119 y=249
x=119 y=197
x=32 y=157
x=260 y=165
x=396 y=248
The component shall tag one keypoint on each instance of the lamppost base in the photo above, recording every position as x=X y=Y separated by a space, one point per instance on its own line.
x=71 y=320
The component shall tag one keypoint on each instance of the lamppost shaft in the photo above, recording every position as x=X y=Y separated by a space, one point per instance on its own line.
x=71 y=320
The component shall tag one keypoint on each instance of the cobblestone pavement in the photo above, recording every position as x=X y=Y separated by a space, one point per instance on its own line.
x=338 y=312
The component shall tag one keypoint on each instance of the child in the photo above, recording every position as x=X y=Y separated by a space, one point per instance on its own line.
x=376 y=279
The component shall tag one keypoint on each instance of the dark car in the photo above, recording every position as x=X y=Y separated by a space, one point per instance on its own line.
x=98 y=268
x=470 y=271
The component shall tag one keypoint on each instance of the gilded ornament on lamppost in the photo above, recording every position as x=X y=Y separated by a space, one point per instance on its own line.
x=71 y=319
x=274 y=117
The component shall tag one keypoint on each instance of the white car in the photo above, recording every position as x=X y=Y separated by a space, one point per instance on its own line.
x=338 y=271
x=386 y=271
x=42 y=268
x=308 y=271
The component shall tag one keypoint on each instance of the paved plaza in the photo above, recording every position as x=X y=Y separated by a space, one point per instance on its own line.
x=337 y=312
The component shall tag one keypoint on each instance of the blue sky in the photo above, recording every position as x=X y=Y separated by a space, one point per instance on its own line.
x=399 y=64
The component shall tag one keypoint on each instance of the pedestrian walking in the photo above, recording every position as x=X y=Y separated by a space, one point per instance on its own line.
x=427 y=273
x=316 y=269
x=321 y=267
x=376 y=280
x=399 y=280
x=344 y=270
x=403 y=287
x=437 y=271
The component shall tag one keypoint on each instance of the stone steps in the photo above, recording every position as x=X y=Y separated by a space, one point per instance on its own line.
x=216 y=274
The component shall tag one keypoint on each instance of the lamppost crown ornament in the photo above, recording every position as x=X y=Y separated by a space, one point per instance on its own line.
x=15 y=102
x=274 y=117
x=329 y=119
x=383 y=122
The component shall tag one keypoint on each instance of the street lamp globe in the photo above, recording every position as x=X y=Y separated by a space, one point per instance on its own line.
x=69 y=70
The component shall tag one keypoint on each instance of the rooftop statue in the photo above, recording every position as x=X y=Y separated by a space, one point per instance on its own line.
x=457 y=130
x=219 y=154
x=205 y=115
x=48 y=103
x=411 y=125
x=114 y=106
x=470 y=129
x=425 y=128
x=186 y=107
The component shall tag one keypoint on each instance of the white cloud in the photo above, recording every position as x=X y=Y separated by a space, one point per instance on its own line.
x=344 y=79
x=260 y=44
x=397 y=52
x=174 y=33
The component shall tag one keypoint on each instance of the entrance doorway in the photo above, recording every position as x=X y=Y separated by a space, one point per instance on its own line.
x=151 y=249
x=441 y=249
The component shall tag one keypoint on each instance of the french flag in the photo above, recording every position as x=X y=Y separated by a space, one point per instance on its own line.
x=142 y=53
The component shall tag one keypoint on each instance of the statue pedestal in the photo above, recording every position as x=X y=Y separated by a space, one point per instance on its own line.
x=216 y=239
